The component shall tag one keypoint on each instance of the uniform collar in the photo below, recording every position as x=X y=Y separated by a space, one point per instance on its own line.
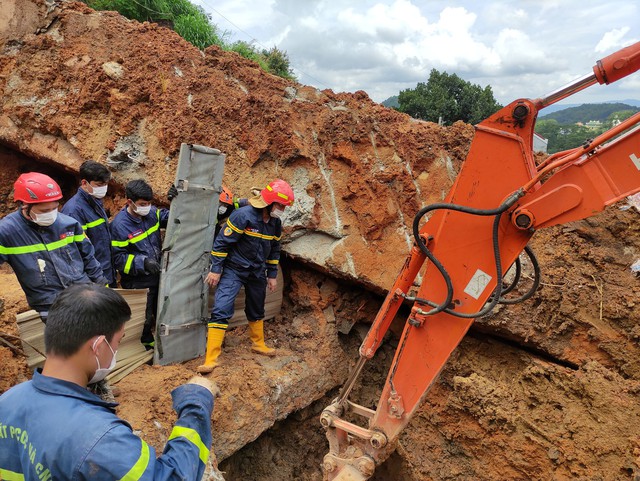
x=137 y=220
x=59 y=387
x=257 y=212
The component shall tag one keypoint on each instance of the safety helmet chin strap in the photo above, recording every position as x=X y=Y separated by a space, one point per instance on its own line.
x=27 y=211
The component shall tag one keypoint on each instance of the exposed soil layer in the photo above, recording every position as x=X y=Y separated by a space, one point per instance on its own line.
x=546 y=389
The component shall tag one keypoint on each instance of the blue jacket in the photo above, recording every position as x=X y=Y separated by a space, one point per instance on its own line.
x=55 y=430
x=88 y=210
x=132 y=241
x=248 y=243
x=46 y=260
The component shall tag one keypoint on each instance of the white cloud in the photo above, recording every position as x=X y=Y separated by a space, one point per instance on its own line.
x=612 y=40
x=521 y=48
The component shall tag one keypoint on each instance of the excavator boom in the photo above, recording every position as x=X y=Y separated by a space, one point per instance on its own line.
x=469 y=241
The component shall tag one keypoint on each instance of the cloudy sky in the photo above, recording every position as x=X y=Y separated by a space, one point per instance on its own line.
x=522 y=48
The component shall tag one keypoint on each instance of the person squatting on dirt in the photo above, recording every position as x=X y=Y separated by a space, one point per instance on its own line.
x=246 y=253
x=53 y=428
x=86 y=207
x=136 y=247
x=47 y=250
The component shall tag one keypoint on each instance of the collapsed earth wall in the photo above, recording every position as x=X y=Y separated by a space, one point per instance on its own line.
x=544 y=390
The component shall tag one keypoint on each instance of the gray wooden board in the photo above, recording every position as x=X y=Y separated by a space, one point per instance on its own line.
x=182 y=300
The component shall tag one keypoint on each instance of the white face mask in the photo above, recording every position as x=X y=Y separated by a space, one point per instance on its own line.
x=222 y=209
x=141 y=210
x=99 y=192
x=45 y=219
x=103 y=372
x=276 y=213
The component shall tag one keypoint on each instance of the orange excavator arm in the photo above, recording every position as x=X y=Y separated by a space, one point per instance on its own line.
x=469 y=241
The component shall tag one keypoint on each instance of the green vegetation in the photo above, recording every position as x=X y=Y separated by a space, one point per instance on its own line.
x=587 y=112
x=588 y=125
x=448 y=98
x=193 y=24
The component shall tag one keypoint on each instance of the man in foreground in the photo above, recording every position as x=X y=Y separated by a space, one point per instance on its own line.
x=53 y=428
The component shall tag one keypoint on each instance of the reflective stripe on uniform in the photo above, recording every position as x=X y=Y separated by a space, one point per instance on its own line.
x=144 y=235
x=193 y=436
x=127 y=266
x=218 y=254
x=7 y=475
x=138 y=469
x=233 y=227
x=51 y=246
x=94 y=223
x=261 y=236
x=273 y=261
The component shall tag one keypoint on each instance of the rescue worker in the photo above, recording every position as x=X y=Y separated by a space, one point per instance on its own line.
x=53 y=428
x=246 y=253
x=47 y=251
x=136 y=247
x=86 y=207
x=227 y=203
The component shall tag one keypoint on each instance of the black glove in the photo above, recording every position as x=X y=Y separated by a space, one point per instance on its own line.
x=151 y=266
x=173 y=193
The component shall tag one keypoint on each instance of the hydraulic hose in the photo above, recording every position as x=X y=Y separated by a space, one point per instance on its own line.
x=536 y=280
x=497 y=213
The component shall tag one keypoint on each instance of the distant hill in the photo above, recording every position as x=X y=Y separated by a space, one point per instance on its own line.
x=391 y=102
x=635 y=103
x=555 y=108
x=586 y=112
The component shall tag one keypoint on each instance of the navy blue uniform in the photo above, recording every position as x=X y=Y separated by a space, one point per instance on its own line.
x=89 y=211
x=46 y=260
x=134 y=239
x=248 y=249
x=52 y=429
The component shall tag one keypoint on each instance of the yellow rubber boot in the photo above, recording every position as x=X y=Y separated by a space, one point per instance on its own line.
x=256 y=334
x=215 y=336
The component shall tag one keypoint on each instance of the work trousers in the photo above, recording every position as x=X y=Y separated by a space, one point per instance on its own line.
x=255 y=288
x=150 y=314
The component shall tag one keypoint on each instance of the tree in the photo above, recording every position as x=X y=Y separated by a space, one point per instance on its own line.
x=278 y=63
x=448 y=98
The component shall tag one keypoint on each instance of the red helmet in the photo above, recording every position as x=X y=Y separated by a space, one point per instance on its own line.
x=226 y=195
x=35 y=188
x=277 y=191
